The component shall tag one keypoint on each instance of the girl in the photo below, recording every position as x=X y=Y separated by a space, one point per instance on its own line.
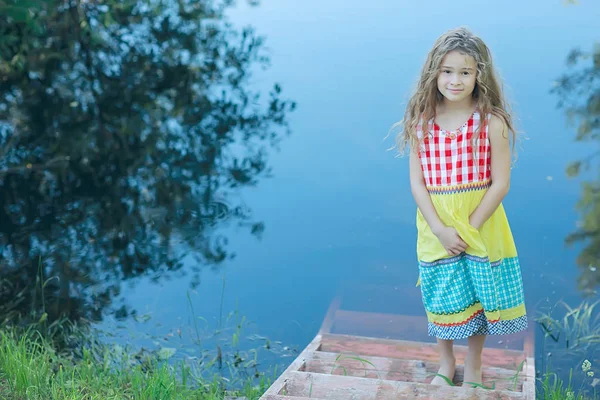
x=457 y=126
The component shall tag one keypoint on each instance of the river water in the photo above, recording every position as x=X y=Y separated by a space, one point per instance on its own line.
x=337 y=209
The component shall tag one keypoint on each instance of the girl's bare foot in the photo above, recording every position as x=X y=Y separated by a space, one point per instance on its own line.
x=447 y=368
x=472 y=371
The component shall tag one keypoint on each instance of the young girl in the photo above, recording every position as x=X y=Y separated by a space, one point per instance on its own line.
x=457 y=126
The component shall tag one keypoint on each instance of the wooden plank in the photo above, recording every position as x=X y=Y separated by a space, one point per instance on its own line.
x=529 y=384
x=402 y=370
x=282 y=397
x=529 y=368
x=361 y=293
x=528 y=342
x=405 y=327
x=334 y=306
x=499 y=358
x=372 y=367
x=335 y=387
x=296 y=365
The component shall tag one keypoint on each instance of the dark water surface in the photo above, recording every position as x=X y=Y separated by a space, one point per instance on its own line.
x=337 y=211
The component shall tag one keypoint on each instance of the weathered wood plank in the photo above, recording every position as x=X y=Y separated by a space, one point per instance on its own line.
x=394 y=369
x=528 y=341
x=335 y=387
x=407 y=327
x=402 y=370
x=326 y=326
x=529 y=384
x=499 y=358
x=372 y=367
x=282 y=397
x=529 y=350
x=296 y=365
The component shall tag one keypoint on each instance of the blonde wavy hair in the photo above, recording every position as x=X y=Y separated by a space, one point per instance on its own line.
x=488 y=93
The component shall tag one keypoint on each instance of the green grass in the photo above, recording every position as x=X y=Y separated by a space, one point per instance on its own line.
x=31 y=369
x=578 y=328
x=570 y=338
x=39 y=363
x=553 y=388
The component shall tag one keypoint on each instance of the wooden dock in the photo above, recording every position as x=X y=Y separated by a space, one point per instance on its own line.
x=359 y=355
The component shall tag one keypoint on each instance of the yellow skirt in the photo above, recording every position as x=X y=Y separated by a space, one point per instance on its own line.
x=479 y=292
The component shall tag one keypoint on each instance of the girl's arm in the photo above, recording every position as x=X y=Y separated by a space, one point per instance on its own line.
x=499 y=143
x=421 y=195
x=448 y=236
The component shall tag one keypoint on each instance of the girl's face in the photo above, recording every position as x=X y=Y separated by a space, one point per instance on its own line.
x=457 y=77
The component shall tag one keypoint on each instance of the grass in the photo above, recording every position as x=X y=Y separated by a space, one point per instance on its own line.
x=59 y=360
x=553 y=388
x=578 y=328
x=34 y=364
x=573 y=338
x=31 y=369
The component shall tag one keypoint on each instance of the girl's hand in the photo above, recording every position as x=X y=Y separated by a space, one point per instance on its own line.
x=451 y=240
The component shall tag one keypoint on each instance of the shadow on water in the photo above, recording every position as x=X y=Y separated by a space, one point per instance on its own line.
x=126 y=130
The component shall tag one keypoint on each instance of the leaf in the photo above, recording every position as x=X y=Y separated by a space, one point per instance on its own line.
x=18 y=14
x=142 y=318
x=43 y=318
x=480 y=385
x=584 y=130
x=166 y=352
x=573 y=169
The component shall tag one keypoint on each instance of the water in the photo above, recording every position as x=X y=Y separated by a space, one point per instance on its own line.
x=337 y=211
x=338 y=208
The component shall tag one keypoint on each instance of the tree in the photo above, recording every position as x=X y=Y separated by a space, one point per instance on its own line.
x=579 y=94
x=126 y=128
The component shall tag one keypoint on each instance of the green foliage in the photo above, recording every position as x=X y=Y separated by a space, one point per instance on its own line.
x=578 y=329
x=30 y=368
x=22 y=10
x=126 y=130
x=571 y=337
x=552 y=388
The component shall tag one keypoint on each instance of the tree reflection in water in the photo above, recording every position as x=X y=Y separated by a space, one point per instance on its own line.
x=126 y=128
x=579 y=93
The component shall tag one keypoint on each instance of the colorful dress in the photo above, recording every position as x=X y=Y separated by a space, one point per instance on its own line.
x=479 y=292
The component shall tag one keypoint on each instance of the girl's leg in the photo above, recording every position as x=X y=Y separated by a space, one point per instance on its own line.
x=473 y=360
x=447 y=362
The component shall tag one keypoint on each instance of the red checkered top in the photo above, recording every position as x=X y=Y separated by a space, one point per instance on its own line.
x=447 y=158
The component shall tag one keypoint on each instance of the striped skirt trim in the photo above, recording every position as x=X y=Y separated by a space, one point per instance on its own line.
x=479 y=325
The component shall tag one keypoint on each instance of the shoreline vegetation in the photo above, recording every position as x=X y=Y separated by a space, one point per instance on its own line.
x=32 y=368
x=61 y=361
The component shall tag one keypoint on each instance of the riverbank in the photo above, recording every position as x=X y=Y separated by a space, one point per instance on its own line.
x=30 y=368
